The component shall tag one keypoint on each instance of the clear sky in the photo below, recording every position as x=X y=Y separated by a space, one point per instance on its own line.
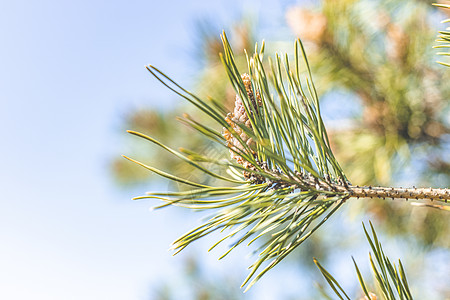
x=68 y=71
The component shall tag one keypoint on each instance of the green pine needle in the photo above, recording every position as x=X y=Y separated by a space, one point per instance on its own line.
x=390 y=278
x=444 y=36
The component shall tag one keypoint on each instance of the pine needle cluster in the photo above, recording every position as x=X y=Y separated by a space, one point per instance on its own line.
x=282 y=180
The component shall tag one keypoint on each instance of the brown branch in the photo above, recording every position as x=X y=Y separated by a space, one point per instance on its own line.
x=400 y=193
x=306 y=182
x=440 y=194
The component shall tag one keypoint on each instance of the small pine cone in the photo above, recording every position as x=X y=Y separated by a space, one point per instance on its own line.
x=240 y=117
x=248 y=87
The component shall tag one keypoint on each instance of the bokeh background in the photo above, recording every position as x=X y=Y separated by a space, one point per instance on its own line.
x=72 y=80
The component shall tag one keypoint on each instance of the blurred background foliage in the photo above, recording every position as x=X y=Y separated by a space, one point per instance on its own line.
x=385 y=104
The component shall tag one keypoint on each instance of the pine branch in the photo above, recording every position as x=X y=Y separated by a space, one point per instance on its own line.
x=438 y=194
x=400 y=193
x=282 y=180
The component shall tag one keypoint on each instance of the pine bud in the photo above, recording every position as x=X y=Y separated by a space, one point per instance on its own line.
x=239 y=118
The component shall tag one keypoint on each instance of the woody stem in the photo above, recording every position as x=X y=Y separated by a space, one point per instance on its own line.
x=355 y=191
x=399 y=193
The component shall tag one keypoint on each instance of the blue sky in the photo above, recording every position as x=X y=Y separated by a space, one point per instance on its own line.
x=68 y=72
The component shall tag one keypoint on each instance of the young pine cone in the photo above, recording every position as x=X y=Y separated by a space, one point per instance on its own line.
x=239 y=116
